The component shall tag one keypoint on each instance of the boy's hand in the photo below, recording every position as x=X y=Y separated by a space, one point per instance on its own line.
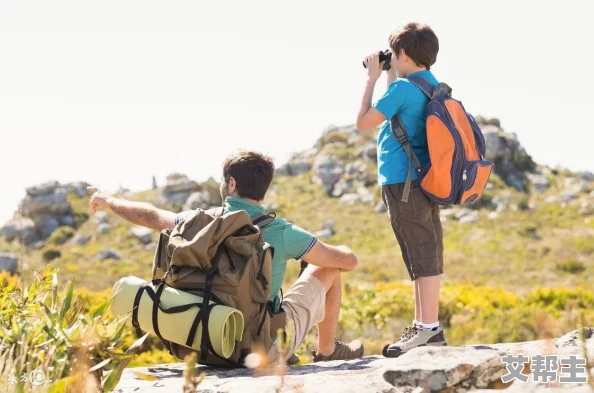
x=99 y=199
x=374 y=67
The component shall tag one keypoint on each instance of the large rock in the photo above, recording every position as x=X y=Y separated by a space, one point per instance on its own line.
x=78 y=187
x=180 y=183
x=18 y=228
x=108 y=253
x=198 y=200
x=295 y=167
x=46 y=199
x=368 y=151
x=452 y=369
x=540 y=182
x=142 y=234
x=8 y=262
x=46 y=224
x=327 y=171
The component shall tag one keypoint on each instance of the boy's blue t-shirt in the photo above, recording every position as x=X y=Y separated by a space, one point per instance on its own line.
x=407 y=100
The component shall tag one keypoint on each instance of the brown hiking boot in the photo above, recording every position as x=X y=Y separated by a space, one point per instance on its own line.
x=342 y=351
x=293 y=360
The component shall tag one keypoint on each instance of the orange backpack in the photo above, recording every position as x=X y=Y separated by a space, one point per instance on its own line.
x=458 y=172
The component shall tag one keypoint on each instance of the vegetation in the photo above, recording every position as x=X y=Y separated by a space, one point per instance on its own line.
x=519 y=273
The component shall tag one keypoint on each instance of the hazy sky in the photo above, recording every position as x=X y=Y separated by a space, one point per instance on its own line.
x=113 y=92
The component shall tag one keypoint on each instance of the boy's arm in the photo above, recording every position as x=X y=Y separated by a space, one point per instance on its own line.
x=369 y=117
x=139 y=213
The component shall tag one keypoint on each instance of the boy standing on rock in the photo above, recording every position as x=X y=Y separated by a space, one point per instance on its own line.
x=416 y=223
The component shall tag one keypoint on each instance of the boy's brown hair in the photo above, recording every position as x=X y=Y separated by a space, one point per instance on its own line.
x=252 y=171
x=418 y=41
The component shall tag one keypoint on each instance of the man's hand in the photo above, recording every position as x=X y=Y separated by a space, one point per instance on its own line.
x=100 y=198
x=374 y=67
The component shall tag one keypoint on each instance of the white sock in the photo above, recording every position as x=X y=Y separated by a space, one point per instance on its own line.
x=428 y=325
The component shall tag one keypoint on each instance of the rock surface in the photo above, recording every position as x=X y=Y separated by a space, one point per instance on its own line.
x=453 y=369
x=8 y=262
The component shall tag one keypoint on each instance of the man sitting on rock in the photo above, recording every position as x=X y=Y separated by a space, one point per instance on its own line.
x=314 y=299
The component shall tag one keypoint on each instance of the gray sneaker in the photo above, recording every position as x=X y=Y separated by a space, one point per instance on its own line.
x=413 y=337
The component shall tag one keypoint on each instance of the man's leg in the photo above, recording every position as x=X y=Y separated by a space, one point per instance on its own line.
x=314 y=299
x=327 y=328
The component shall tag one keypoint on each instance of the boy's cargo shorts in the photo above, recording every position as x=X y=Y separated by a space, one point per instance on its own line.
x=417 y=227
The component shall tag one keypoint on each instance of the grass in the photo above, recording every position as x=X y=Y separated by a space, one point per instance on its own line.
x=502 y=276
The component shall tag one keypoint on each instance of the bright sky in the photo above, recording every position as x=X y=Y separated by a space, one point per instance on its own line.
x=113 y=92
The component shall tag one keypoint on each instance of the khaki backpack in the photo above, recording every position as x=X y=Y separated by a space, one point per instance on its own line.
x=223 y=259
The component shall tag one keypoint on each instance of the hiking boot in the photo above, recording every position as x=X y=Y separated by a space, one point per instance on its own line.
x=342 y=351
x=293 y=360
x=413 y=337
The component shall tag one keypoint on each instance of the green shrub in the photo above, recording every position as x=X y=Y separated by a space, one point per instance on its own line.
x=523 y=161
x=61 y=236
x=80 y=218
x=50 y=254
x=571 y=266
x=50 y=333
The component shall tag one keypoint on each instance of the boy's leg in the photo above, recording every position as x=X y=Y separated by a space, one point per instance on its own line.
x=417 y=227
x=427 y=296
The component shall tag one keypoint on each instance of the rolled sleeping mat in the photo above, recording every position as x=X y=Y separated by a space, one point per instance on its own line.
x=225 y=324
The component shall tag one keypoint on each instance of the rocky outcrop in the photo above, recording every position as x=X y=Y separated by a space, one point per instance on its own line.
x=43 y=210
x=476 y=368
x=8 y=262
x=177 y=190
x=198 y=200
x=327 y=171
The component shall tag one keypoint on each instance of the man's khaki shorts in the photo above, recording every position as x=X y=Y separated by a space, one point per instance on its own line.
x=304 y=304
x=417 y=227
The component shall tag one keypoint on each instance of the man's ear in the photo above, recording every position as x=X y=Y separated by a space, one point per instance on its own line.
x=232 y=185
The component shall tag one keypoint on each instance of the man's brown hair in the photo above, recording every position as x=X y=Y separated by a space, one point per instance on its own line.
x=252 y=171
x=418 y=41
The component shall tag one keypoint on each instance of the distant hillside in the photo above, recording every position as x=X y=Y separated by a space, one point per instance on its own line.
x=533 y=228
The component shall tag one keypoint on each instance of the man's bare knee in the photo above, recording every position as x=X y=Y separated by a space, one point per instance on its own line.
x=327 y=275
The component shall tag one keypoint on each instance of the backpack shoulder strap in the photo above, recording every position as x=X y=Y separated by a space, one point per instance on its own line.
x=215 y=212
x=262 y=220
x=422 y=84
x=399 y=132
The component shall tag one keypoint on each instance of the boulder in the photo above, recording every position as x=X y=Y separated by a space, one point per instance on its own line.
x=368 y=151
x=180 y=183
x=46 y=224
x=587 y=175
x=295 y=167
x=101 y=217
x=103 y=228
x=380 y=207
x=197 y=200
x=363 y=195
x=80 y=240
x=8 y=262
x=539 y=182
x=43 y=201
x=470 y=219
x=586 y=209
x=79 y=188
x=142 y=234
x=327 y=171
x=107 y=253
x=46 y=188
x=20 y=227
